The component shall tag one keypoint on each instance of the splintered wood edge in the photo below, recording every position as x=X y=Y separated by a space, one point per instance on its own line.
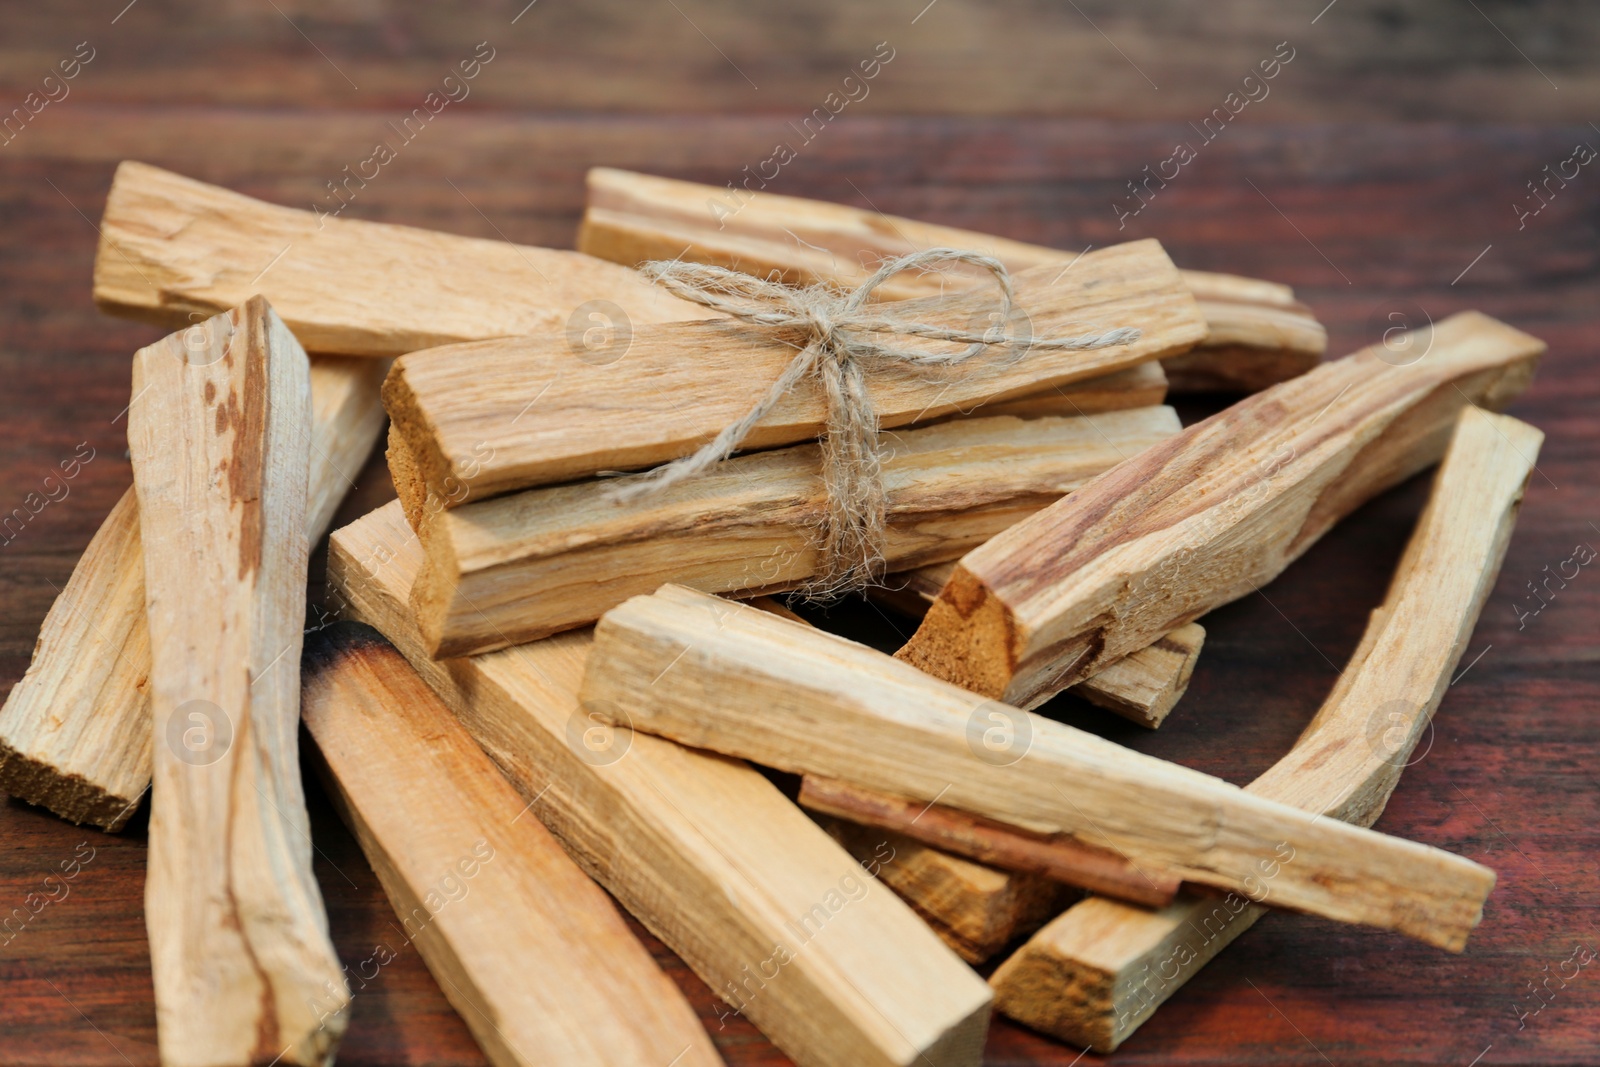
x=1143 y=687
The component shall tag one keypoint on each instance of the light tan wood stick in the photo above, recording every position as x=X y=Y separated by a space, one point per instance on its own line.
x=1011 y=848
x=220 y=435
x=1207 y=516
x=716 y=674
x=1258 y=333
x=1095 y=974
x=482 y=419
x=1142 y=687
x=520 y=567
x=171 y=246
x=975 y=909
x=75 y=731
x=776 y=918
x=530 y=952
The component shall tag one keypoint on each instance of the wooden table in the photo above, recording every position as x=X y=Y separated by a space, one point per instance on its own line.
x=1362 y=220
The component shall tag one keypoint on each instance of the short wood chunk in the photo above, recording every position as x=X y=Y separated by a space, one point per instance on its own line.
x=767 y=909
x=1095 y=974
x=1142 y=687
x=531 y=953
x=520 y=567
x=489 y=418
x=171 y=247
x=975 y=909
x=75 y=731
x=716 y=674
x=1011 y=848
x=1208 y=516
x=1257 y=335
x=220 y=433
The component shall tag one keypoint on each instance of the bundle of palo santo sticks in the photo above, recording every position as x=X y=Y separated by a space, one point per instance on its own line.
x=523 y=637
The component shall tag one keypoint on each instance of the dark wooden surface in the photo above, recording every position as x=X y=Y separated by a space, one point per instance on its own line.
x=1363 y=218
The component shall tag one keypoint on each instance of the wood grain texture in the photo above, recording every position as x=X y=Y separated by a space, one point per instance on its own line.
x=1365 y=61
x=712 y=673
x=1095 y=974
x=522 y=566
x=1210 y=515
x=488 y=418
x=172 y=248
x=75 y=730
x=1061 y=858
x=220 y=433
x=1141 y=386
x=778 y=919
x=1257 y=333
x=1143 y=686
x=1507 y=779
x=530 y=951
x=975 y=909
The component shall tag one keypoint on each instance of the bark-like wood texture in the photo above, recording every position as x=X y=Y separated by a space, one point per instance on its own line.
x=220 y=434
x=716 y=674
x=773 y=915
x=1258 y=334
x=530 y=951
x=75 y=731
x=519 y=567
x=1142 y=687
x=171 y=247
x=1209 y=515
x=1095 y=974
x=482 y=419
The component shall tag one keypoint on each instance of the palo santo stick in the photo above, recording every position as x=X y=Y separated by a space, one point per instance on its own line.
x=519 y=567
x=75 y=731
x=530 y=952
x=1258 y=333
x=715 y=674
x=773 y=915
x=975 y=909
x=171 y=246
x=488 y=418
x=1207 y=516
x=1010 y=848
x=1143 y=686
x=1100 y=970
x=220 y=434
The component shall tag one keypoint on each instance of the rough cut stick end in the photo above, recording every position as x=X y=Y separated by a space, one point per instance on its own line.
x=969 y=615
x=71 y=797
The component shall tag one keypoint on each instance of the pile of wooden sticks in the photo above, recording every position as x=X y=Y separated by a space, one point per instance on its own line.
x=520 y=641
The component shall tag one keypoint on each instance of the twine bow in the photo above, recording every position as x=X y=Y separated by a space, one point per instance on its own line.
x=839 y=347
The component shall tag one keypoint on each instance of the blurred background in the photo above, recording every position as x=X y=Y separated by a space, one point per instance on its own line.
x=1388 y=162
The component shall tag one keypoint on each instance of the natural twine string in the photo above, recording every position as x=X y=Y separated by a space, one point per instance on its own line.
x=838 y=345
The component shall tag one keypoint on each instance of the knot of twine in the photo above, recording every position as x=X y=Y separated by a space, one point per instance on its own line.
x=840 y=343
